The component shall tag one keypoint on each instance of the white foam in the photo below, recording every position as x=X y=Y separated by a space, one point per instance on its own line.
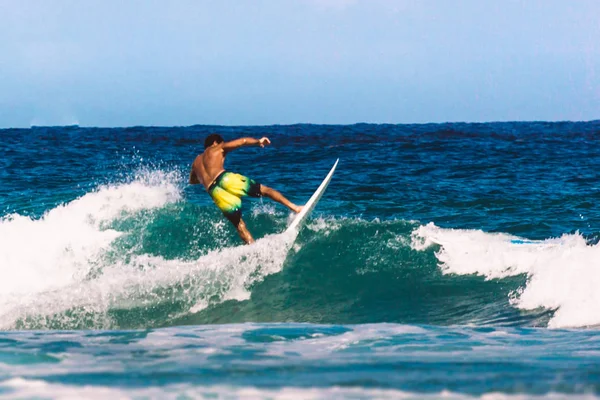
x=40 y=256
x=57 y=263
x=563 y=273
x=220 y=275
x=319 y=347
x=264 y=208
x=29 y=388
x=324 y=225
x=224 y=274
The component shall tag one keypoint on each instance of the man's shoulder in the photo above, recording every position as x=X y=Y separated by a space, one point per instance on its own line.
x=197 y=159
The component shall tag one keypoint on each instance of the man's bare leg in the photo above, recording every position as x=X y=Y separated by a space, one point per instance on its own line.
x=243 y=232
x=278 y=197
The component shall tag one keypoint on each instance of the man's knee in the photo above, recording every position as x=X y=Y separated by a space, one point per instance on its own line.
x=264 y=190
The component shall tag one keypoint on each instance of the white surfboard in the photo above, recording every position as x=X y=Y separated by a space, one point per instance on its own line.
x=312 y=202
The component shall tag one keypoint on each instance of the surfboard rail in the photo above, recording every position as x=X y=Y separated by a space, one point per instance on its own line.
x=312 y=202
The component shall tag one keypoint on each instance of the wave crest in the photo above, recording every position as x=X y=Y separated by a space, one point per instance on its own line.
x=563 y=274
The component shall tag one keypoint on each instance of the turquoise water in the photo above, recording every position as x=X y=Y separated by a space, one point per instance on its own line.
x=302 y=361
x=456 y=260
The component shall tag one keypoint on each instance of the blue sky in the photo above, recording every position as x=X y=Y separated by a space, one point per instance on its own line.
x=184 y=62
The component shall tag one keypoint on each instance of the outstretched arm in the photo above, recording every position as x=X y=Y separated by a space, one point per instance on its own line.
x=247 y=141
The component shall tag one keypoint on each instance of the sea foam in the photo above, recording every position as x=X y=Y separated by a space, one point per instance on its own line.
x=54 y=270
x=563 y=274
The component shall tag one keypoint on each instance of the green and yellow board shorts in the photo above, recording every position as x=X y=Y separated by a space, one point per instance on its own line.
x=227 y=191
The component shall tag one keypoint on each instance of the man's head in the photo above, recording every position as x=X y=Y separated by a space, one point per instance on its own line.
x=211 y=139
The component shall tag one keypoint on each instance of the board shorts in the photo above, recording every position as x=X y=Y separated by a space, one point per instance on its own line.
x=227 y=191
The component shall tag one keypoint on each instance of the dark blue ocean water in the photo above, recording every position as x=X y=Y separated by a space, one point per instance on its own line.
x=456 y=260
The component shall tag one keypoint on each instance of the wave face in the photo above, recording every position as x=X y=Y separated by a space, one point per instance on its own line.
x=103 y=261
x=136 y=255
x=455 y=224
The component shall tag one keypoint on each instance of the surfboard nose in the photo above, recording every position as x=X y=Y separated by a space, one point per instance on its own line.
x=312 y=202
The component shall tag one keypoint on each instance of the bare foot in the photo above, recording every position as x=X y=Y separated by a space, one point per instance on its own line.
x=297 y=209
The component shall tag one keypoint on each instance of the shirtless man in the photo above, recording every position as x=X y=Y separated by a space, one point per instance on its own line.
x=227 y=188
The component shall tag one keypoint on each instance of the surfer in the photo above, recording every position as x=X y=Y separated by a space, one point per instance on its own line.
x=227 y=188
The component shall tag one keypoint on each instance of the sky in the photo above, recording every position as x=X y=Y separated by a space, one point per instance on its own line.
x=260 y=62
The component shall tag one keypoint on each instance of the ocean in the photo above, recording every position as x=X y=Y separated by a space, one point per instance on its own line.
x=456 y=261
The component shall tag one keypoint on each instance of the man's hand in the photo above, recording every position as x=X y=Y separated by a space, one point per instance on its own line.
x=262 y=142
x=247 y=141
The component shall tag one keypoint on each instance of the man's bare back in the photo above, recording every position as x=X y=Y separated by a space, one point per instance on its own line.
x=225 y=188
x=207 y=166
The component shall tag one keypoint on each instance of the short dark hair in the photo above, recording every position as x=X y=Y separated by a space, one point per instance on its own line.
x=210 y=139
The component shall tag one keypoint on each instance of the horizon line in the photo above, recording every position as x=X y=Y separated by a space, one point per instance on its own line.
x=298 y=124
